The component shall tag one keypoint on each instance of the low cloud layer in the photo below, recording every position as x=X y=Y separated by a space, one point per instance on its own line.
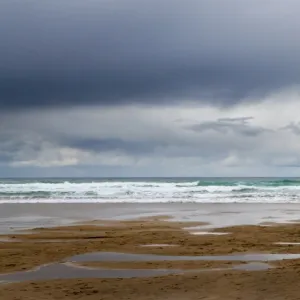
x=226 y=125
x=245 y=140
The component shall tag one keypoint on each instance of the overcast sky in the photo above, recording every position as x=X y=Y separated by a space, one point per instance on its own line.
x=149 y=88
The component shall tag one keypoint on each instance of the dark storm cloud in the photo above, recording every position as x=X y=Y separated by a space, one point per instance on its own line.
x=102 y=145
x=108 y=52
x=5 y=157
x=112 y=87
x=143 y=148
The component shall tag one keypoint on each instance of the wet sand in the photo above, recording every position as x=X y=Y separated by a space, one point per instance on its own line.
x=48 y=245
x=57 y=244
x=19 y=216
x=271 y=285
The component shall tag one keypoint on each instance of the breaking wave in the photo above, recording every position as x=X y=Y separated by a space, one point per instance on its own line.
x=150 y=191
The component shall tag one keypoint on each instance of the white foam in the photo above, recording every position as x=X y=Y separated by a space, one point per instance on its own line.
x=144 y=192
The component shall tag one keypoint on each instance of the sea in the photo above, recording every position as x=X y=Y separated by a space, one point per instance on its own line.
x=150 y=190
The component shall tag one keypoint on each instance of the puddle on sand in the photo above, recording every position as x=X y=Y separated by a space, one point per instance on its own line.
x=8 y=240
x=14 y=240
x=115 y=256
x=199 y=230
x=158 y=245
x=287 y=243
x=208 y=233
x=250 y=266
x=67 y=270
x=253 y=266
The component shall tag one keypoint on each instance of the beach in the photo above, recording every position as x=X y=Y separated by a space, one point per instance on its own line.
x=149 y=251
x=149 y=150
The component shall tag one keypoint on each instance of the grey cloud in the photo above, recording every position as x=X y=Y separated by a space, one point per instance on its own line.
x=293 y=127
x=110 y=52
x=242 y=120
x=288 y=165
x=110 y=144
x=139 y=142
x=5 y=157
x=226 y=125
x=131 y=136
x=142 y=148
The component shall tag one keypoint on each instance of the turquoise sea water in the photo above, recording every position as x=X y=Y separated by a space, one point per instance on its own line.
x=149 y=190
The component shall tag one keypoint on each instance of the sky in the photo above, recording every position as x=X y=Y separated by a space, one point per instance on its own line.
x=149 y=88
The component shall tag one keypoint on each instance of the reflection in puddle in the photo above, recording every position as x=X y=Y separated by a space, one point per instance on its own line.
x=208 y=233
x=65 y=271
x=11 y=240
x=287 y=243
x=115 y=256
x=253 y=266
x=8 y=240
x=199 y=230
x=68 y=270
x=158 y=245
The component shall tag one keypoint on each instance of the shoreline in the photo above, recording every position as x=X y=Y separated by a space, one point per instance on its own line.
x=15 y=217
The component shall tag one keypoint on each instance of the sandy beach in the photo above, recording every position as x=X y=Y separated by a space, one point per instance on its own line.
x=149 y=150
x=176 y=246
